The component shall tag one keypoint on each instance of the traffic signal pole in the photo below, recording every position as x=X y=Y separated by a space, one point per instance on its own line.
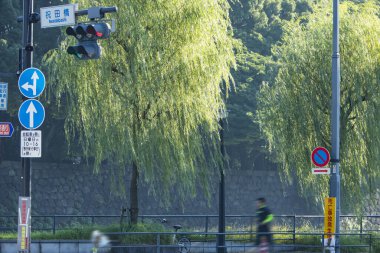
x=335 y=122
x=221 y=239
x=26 y=58
x=27 y=62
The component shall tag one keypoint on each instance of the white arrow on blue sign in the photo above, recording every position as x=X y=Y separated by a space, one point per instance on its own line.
x=31 y=114
x=31 y=82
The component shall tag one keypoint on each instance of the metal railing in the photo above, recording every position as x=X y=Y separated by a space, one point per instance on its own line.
x=204 y=223
x=238 y=241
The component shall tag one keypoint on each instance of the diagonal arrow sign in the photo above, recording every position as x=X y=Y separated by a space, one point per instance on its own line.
x=31 y=110
x=33 y=86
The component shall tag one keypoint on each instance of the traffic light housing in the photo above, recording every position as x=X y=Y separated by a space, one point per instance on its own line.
x=87 y=35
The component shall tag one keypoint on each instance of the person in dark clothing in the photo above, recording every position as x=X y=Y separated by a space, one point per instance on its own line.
x=264 y=218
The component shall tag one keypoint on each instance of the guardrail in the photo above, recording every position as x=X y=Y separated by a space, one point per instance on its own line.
x=205 y=223
x=239 y=241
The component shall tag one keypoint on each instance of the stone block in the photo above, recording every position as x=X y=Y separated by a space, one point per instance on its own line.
x=8 y=247
x=69 y=247
x=50 y=248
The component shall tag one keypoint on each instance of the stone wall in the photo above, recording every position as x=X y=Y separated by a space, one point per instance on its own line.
x=75 y=189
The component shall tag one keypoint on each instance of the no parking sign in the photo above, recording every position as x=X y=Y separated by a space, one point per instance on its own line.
x=320 y=156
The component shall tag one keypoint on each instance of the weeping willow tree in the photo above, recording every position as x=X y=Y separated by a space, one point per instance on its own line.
x=294 y=111
x=154 y=98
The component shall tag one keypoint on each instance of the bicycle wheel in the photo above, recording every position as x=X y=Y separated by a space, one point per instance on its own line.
x=184 y=245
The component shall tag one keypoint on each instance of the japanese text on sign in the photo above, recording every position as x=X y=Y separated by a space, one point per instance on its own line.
x=31 y=143
x=3 y=96
x=61 y=15
x=5 y=129
x=330 y=217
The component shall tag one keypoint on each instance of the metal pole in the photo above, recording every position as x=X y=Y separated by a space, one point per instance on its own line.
x=335 y=122
x=27 y=62
x=294 y=229
x=221 y=246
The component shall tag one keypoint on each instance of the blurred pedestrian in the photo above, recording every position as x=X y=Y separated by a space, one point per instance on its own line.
x=264 y=218
x=101 y=243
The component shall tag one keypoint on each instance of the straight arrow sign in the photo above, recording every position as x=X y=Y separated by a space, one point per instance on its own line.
x=31 y=111
x=31 y=114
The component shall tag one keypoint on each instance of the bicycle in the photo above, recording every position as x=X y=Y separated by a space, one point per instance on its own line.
x=184 y=244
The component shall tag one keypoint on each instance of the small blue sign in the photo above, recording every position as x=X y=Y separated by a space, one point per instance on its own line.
x=3 y=96
x=6 y=129
x=31 y=82
x=31 y=114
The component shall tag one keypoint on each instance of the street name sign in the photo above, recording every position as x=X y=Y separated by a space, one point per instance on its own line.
x=23 y=238
x=31 y=114
x=321 y=171
x=60 y=15
x=320 y=156
x=6 y=129
x=31 y=144
x=31 y=82
x=3 y=96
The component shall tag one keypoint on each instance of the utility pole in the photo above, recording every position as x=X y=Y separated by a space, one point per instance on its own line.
x=335 y=122
x=221 y=242
x=27 y=61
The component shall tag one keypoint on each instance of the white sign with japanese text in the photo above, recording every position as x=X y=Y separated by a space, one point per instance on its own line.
x=31 y=144
x=60 y=15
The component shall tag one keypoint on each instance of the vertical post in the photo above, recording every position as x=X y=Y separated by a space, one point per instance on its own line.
x=251 y=228
x=222 y=215
x=158 y=243
x=323 y=244
x=335 y=122
x=54 y=223
x=294 y=229
x=27 y=61
x=206 y=225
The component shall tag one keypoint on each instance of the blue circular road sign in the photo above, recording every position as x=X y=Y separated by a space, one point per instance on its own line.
x=31 y=114
x=31 y=82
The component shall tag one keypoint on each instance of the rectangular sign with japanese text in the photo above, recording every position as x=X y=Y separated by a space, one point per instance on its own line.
x=3 y=96
x=60 y=15
x=31 y=144
x=330 y=221
x=23 y=238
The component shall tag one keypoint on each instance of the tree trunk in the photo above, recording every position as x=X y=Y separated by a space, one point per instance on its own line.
x=134 y=210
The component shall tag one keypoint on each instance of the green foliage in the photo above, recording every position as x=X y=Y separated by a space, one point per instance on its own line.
x=259 y=24
x=155 y=96
x=146 y=238
x=294 y=110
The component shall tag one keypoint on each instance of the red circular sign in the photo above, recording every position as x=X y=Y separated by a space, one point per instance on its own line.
x=320 y=156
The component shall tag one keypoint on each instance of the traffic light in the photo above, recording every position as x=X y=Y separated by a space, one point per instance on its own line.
x=87 y=35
